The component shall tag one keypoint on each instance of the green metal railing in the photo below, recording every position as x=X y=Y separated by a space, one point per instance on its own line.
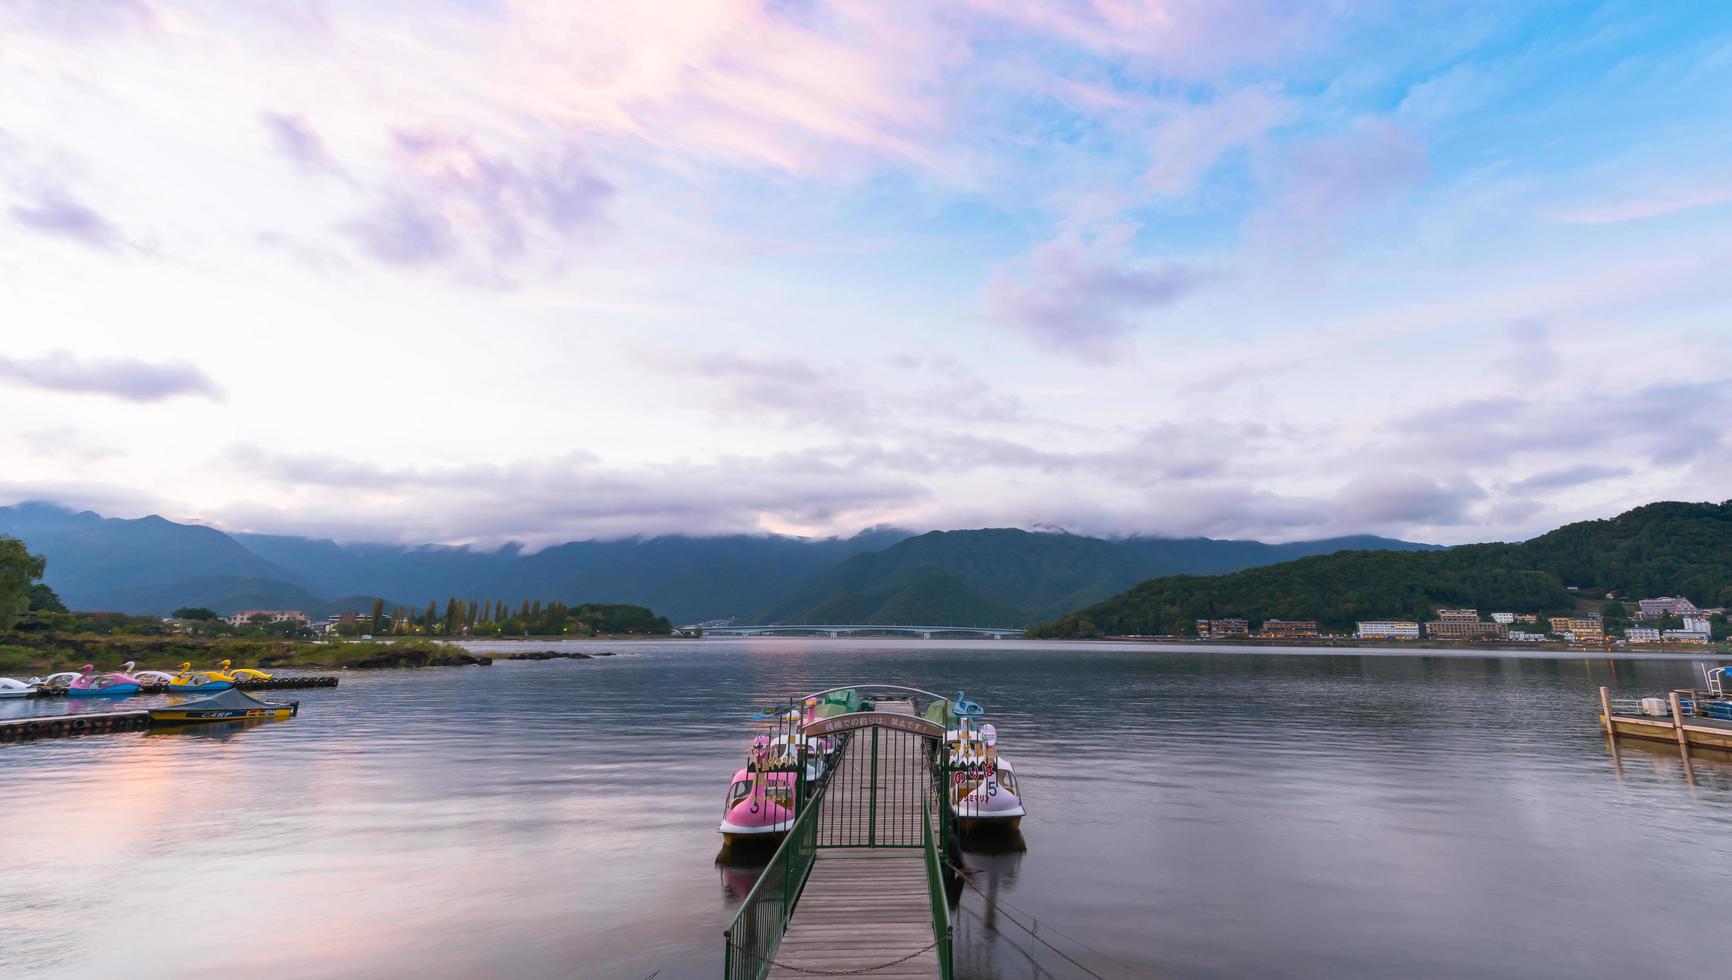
x=758 y=926
x=875 y=782
x=872 y=770
x=935 y=891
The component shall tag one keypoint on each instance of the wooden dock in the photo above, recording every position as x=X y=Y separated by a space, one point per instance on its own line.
x=862 y=907
x=866 y=906
x=1690 y=731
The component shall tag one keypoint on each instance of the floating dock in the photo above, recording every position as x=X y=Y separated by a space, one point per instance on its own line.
x=86 y=723
x=1625 y=717
x=288 y=683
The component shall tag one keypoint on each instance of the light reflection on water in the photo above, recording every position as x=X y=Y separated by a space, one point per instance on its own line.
x=1191 y=814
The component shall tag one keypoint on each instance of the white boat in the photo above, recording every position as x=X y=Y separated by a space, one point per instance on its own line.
x=13 y=688
x=60 y=681
x=983 y=790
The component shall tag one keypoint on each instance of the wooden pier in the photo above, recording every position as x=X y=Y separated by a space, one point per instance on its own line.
x=857 y=887
x=864 y=906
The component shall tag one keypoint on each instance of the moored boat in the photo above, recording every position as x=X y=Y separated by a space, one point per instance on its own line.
x=229 y=705
x=759 y=807
x=241 y=673
x=58 y=682
x=187 y=680
x=13 y=688
x=983 y=790
x=91 y=684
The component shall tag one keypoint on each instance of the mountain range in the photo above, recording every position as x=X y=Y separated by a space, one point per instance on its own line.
x=994 y=576
x=1667 y=548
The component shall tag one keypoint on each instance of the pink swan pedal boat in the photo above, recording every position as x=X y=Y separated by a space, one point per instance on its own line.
x=90 y=684
x=759 y=807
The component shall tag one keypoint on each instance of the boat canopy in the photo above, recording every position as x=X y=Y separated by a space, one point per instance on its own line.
x=233 y=699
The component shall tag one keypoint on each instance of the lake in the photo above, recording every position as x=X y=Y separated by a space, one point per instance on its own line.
x=1192 y=813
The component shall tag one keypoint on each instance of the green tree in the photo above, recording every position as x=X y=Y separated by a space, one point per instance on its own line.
x=44 y=599
x=18 y=568
x=194 y=612
x=378 y=624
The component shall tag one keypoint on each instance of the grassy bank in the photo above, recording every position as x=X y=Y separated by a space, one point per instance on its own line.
x=24 y=656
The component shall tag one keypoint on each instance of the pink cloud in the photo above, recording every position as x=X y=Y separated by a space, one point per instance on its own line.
x=1183 y=38
x=1189 y=143
x=1334 y=178
x=450 y=197
x=1637 y=209
x=1082 y=295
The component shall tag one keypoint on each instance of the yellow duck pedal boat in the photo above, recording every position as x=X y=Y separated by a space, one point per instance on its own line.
x=241 y=674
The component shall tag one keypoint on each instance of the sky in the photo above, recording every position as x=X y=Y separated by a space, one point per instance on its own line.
x=527 y=270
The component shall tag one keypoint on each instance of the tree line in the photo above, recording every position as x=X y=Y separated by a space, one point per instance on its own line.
x=1660 y=549
x=491 y=617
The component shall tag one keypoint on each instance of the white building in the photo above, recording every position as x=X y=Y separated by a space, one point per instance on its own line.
x=1697 y=624
x=1642 y=634
x=246 y=616
x=1522 y=636
x=1505 y=618
x=1685 y=636
x=1382 y=629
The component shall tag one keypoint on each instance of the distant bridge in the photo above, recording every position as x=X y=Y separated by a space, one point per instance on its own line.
x=924 y=632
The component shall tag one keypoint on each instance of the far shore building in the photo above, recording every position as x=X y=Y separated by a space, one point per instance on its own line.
x=330 y=623
x=1665 y=605
x=1580 y=629
x=1641 y=634
x=1386 y=629
x=1214 y=629
x=1505 y=618
x=1526 y=618
x=1685 y=636
x=246 y=616
x=1464 y=624
x=1523 y=636
x=1288 y=629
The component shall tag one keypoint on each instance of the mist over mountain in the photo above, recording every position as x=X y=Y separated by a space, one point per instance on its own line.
x=688 y=579
x=998 y=577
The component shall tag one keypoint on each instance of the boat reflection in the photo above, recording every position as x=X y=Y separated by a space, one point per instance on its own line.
x=991 y=863
x=219 y=729
x=740 y=865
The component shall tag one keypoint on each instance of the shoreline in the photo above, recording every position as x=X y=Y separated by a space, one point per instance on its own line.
x=1347 y=643
x=41 y=656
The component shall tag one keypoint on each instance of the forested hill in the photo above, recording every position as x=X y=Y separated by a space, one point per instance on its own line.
x=1660 y=549
x=1010 y=577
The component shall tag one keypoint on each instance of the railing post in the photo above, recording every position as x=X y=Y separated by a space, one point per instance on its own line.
x=1606 y=707
x=872 y=795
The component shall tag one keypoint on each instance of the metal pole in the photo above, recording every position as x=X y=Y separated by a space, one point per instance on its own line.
x=872 y=795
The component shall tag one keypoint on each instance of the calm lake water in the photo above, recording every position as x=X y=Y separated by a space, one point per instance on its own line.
x=1192 y=814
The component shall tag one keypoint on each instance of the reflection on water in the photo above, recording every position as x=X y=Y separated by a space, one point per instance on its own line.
x=1190 y=814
